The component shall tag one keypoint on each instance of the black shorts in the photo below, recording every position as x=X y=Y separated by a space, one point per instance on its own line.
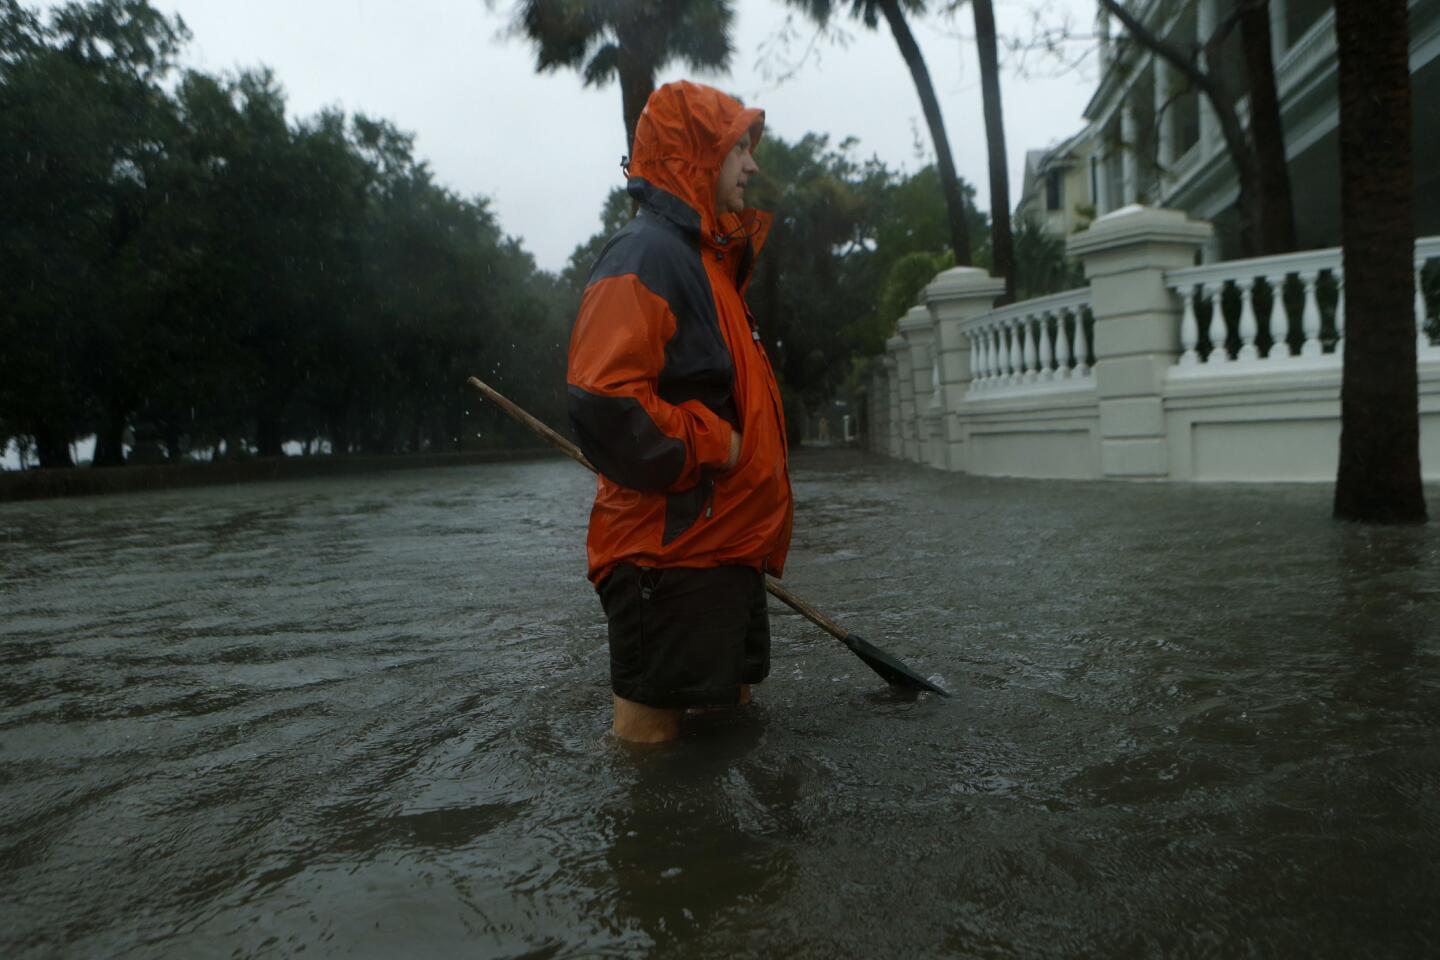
x=686 y=637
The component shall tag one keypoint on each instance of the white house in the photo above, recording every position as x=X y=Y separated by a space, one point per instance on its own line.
x=1158 y=368
x=1150 y=140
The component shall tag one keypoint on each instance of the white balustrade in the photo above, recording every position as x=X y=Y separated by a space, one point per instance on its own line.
x=1017 y=350
x=1425 y=251
x=1278 y=320
x=1015 y=357
x=1194 y=286
x=1032 y=362
x=1007 y=353
x=1063 y=356
x=1189 y=327
x=1310 y=315
x=1217 y=333
x=1029 y=345
x=1248 y=327
x=1082 y=344
x=1339 y=274
x=1422 y=339
x=1047 y=354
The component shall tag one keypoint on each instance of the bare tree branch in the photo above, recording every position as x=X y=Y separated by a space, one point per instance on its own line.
x=1227 y=26
x=1177 y=56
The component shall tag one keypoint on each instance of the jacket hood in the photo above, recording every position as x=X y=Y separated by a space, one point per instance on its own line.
x=681 y=140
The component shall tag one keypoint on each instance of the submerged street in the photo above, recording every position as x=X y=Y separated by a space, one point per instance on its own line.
x=365 y=716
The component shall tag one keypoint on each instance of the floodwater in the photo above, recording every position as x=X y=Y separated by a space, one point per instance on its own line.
x=365 y=717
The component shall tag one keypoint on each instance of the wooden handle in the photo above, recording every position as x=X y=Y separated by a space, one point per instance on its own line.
x=805 y=610
x=573 y=452
x=534 y=425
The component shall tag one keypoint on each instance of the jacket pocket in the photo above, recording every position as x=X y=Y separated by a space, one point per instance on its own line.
x=684 y=508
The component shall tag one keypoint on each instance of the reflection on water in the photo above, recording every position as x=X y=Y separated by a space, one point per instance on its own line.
x=365 y=717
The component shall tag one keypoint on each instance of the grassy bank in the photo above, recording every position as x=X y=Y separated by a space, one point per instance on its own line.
x=89 y=481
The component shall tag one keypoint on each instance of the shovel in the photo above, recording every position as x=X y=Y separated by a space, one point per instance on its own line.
x=890 y=669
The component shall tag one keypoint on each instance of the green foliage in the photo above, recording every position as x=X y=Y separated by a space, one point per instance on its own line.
x=188 y=262
x=184 y=260
x=1041 y=266
x=593 y=36
x=904 y=280
x=628 y=40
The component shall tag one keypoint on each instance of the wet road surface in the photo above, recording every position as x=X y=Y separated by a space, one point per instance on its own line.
x=364 y=717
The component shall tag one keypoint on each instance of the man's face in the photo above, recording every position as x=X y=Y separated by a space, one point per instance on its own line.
x=738 y=167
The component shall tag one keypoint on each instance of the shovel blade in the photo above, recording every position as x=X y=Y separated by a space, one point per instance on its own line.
x=892 y=670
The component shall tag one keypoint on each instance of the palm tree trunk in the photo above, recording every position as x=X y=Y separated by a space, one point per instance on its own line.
x=1275 y=210
x=1002 y=244
x=52 y=445
x=637 y=79
x=1379 y=476
x=110 y=437
x=949 y=181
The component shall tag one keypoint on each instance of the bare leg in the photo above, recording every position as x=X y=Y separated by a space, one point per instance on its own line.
x=638 y=723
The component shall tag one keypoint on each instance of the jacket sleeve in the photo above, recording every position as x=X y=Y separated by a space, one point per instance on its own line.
x=628 y=432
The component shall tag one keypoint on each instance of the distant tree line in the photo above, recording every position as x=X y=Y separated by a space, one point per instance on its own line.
x=185 y=268
x=184 y=265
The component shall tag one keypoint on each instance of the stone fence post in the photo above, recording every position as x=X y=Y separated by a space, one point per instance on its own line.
x=903 y=441
x=891 y=413
x=918 y=330
x=1137 y=329
x=953 y=297
x=877 y=413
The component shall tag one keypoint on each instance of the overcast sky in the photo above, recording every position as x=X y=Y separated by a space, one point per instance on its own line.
x=545 y=150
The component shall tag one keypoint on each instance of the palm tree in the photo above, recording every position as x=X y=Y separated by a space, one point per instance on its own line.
x=630 y=40
x=869 y=12
x=1379 y=475
x=1002 y=244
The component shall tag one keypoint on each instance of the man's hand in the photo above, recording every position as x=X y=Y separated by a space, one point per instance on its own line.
x=734 y=451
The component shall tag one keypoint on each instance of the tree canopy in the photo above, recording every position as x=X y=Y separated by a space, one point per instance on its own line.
x=628 y=40
x=189 y=261
x=190 y=268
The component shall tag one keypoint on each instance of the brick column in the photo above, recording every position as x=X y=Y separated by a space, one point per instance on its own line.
x=1137 y=329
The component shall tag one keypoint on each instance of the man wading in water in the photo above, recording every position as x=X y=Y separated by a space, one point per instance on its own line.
x=673 y=400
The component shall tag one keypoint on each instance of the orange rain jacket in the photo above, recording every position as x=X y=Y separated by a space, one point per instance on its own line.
x=665 y=361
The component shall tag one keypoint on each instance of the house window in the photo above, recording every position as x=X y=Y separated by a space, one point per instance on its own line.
x=1054 y=190
x=1095 y=182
